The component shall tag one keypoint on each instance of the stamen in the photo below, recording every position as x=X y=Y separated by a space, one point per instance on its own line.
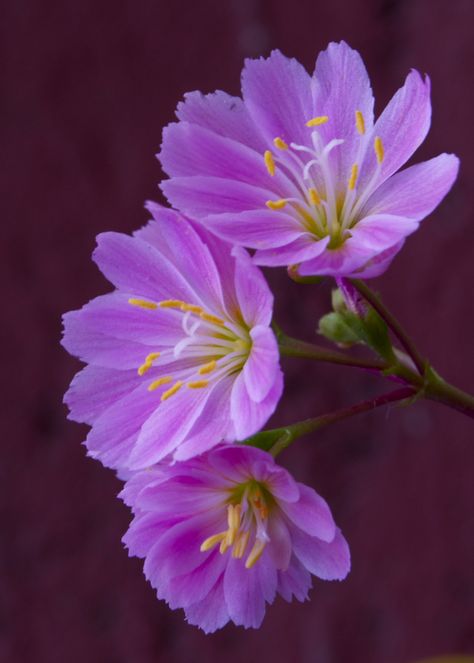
x=360 y=122
x=280 y=144
x=198 y=384
x=171 y=303
x=166 y=379
x=207 y=368
x=233 y=520
x=147 y=364
x=314 y=197
x=241 y=544
x=191 y=307
x=172 y=390
x=353 y=177
x=212 y=541
x=224 y=545
x=378 y=147
x=269 y=162
x=212 y=318
x=255 y=553
x=143 y=303
x=316 y=121
x=276 y=204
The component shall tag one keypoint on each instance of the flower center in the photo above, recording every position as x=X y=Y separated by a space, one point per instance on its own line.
x=323 y=205
x=247 y=518
x=216 y=347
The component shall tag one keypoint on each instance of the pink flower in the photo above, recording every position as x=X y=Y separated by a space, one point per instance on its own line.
x=180 y=356
x=223 y=533
x=299 y=170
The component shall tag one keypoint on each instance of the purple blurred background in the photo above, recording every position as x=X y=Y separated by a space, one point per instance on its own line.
x=86 y=89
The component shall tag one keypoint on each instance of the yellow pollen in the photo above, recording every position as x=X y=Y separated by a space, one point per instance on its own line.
x=172 y=390
x=276 y=204
x=152 y=356
x=360 y=122
x=353 y=177
x=157 y=383
x=224 y=545
x=280 y=144
x=198 y=384
x=314 y=197
x=316 y=121
x=240 y=544
x=255 y=553
x=191 y=307
x=378 y=147
x=212 y=541
x=269 y=162
x=207 y=368
x=171 y=303
x=144 y=368
x=143 y=303
x=212 y=318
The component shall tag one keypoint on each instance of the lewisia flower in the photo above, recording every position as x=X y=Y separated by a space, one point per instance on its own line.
x=181 y=354
x=223 y=533
x=299 y=170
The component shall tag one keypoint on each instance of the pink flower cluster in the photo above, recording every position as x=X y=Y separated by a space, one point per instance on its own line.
x=181 y=361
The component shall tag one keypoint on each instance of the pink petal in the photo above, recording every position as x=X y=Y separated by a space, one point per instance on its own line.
x=260 y=369
x=225 y=115
x=202 y=195
x=248 y=417
x=402 y=127
x=311 y=514
x=253 y=294
x=295 y=581
x=255 y=228
x=328 y=561
x=416 y=191
x=277 y=92
x=342 y=87
x=137 y=267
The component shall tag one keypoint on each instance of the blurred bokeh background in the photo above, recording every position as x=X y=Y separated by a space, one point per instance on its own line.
x=86 y=87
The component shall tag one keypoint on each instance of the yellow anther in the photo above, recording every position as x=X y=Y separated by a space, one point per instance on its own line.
x=280 y=143
x=276 y=204
x=316 y=121
x=360 y=122
x=198 y=384
x=191 y=307
x=233 y=516
x=144 y=368
x=240 y=544
x=378 y=147
x=157 y=383
x=314 y=197
x=207 y=368
x=269 y=162
x=171 y=303
x=212 y=318
x=353 y=177
x=172 y=390
x=212 y=541
x=224 y=544
x=147 y=364
x=143 y=303
x=255 y=553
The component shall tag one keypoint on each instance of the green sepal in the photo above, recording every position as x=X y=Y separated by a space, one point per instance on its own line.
x=347 y=328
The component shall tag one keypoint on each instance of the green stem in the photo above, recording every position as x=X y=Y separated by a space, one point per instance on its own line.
x=430 y=385
x=277 y=439
x=292 y=347
x=392 y=324
x=437 y=389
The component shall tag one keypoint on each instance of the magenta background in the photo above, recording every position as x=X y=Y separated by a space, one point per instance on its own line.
x=86 y=89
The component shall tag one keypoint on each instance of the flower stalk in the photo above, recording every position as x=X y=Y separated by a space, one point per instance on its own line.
x=277 y=439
